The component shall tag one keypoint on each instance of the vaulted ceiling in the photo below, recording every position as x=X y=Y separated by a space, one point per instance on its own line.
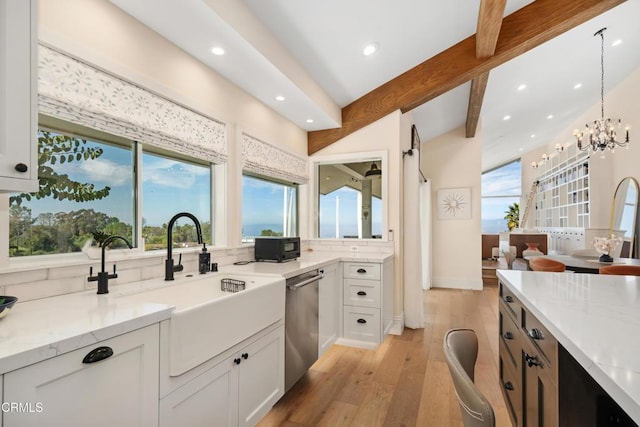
x=310 y=52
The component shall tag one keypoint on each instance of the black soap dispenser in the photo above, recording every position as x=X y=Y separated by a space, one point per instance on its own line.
x=204 y=260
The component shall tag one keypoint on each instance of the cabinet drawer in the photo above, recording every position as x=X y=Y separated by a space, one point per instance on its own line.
x=362 y=270
x=363 y=293
x=362 y=323
x=511 y=303
x=540 y=337
x=511 y=385
x=510 y=337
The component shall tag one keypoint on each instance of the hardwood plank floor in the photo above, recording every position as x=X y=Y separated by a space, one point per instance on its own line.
x=405 y=381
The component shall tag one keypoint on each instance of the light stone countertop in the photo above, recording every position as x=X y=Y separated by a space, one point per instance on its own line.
x=40 y=329
x=596 y=318
x=308 y=261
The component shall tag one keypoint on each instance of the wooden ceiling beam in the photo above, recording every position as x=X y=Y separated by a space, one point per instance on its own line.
x=489 y=23
x=521 y=31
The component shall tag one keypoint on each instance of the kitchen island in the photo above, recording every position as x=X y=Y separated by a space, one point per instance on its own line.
x=579 y=333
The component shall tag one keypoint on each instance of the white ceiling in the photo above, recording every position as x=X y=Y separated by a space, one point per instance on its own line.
x=310 y=51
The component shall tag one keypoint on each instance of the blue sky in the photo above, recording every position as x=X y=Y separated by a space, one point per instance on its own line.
x=504 y=181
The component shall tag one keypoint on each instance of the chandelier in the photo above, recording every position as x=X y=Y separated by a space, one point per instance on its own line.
x=601 y=134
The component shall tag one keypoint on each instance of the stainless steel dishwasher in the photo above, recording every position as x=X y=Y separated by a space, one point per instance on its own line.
x=301 y=326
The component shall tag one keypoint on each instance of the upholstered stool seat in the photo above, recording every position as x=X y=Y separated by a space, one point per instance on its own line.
x=546 y=264
x=622 y=270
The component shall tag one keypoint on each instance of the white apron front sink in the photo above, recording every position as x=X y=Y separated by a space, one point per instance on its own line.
x=207 y=321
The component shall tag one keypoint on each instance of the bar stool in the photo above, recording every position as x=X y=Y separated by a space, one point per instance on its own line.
x=622 y=270
x=546 y=264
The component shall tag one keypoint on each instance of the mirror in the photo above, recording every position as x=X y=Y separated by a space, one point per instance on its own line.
x=350 y=199
x=624 y=216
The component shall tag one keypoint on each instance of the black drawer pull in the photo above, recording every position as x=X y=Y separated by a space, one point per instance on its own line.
x=508 y=298
x=245 y=356
x=362 y=321
x=237 y=360
x=508 y=336
x=21 y=167
x=362 y=293
x=361 y=270
x=532 y=360
x=98 y=354
x=536 y=334
x=508 y=385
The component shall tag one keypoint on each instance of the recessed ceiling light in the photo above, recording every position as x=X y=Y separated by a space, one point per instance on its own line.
x=616 y=43
x=521 y=149
x=280 y=98
x=522 y=87
x=577 y=86
x=217 y=50
x=507 y=117
x=533 y=135
x=550 y=116
x=370 y=49
x=309 y=120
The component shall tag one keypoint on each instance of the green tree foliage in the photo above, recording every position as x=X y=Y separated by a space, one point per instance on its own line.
x=270 y=232
x=513 y=216
x=59 y=149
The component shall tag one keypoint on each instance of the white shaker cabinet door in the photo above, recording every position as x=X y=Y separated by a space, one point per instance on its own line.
x=120 y=390
x=18 y=102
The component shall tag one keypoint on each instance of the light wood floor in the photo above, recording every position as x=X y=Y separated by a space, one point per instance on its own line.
x=405 y=382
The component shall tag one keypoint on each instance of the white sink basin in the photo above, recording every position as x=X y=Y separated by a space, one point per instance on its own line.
x=206 y=320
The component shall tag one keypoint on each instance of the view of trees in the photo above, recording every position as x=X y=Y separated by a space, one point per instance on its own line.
x=65 y=232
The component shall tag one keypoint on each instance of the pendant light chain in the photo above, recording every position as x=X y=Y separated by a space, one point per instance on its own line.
x=601 y=32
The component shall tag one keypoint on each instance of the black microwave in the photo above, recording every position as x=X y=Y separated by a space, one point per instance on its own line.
x=277 y=249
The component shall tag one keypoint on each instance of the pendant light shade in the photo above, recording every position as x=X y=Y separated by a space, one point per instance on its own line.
x=374 y=171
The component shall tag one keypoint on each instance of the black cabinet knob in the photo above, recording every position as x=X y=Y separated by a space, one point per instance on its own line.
x=237 y=360
x=361 y=270
x=362 y=293
x=532 y=360
x=21 y=167
x=508 y=385
x=245 y=356
x=508 y=336
x=362 y=321
x=536 y=334
x=508 y=298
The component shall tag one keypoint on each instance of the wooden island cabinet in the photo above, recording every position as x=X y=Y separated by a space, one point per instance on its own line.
x=542 y=384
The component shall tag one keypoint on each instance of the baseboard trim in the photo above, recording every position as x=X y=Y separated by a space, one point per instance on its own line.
x=398 y=325
x=474 y=283
x=357 y=343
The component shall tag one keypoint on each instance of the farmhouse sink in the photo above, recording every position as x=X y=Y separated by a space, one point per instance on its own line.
x=206 y=320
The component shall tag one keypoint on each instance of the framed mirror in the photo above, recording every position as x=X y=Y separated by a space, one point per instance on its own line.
x=350 y=197
x=624 y=216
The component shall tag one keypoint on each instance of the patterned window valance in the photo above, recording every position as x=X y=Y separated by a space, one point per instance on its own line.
x=265 y=159
x=72 y=90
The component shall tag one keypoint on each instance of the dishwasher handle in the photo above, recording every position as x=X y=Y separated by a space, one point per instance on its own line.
x=306 y=282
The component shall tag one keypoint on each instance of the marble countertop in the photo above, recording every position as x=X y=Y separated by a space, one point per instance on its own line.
x=41 y=329
x=38 y=330
x=308 y=261
x=595 y=318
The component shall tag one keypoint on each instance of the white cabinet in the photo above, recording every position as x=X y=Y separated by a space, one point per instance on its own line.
x=368 y=301
x=18 y=102
x=329 y=305
x=121 y=389
x=236 y=390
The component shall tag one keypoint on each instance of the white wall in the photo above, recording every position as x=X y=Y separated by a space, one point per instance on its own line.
x=391 y=133
x=604 y=174
x=453 y=161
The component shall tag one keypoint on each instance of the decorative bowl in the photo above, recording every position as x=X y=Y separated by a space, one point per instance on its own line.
x=5 y=305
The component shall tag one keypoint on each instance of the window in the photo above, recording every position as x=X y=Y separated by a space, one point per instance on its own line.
x=340 y=214
x=171 y=186
x=269 y=208
x=501 y=188
x=86 y=185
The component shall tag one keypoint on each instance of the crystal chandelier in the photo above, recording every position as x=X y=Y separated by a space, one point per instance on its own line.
x=601 y=134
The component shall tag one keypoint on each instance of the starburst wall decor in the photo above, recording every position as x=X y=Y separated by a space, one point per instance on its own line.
x=454 y=203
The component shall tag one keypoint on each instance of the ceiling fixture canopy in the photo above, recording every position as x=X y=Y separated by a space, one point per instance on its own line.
x=601 y=133
x=373 y=172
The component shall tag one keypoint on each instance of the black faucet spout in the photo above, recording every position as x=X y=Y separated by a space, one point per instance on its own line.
x=103 y=277
x=169 y=268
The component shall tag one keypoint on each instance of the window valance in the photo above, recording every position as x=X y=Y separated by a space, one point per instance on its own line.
x=80 y=93
x=265 y=159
